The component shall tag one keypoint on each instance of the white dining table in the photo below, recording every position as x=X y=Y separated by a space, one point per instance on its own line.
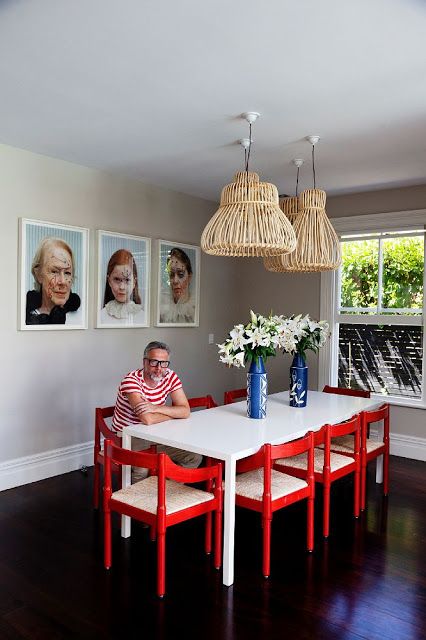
x=226 y=433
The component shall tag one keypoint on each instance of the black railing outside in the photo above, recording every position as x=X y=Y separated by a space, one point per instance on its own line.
x=384 y=359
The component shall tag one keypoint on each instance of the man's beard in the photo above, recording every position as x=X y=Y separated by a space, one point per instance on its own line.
x=155 y=378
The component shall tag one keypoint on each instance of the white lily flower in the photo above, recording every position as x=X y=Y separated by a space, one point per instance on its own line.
x=227 y=359
x=239 y=359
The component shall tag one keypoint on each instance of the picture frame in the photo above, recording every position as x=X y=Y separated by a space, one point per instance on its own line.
x=178 y=301
x=53 y=276
x=124 y=273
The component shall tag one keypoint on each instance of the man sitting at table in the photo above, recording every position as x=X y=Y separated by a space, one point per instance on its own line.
x=142 y=396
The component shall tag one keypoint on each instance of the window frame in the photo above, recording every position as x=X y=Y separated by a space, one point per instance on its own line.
x=328 y=356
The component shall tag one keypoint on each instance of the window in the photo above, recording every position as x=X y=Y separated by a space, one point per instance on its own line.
x=375 y=305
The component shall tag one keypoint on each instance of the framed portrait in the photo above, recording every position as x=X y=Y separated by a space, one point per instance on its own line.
x=53 y=279
x=178 y=295
x=123 y=300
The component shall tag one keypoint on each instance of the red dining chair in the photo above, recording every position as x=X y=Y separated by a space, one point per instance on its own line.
x=231 y=396
x=161 y=500
x=330 y=466
x=343 y=391
x=203 y=402
x=345 y=444
x=101 y=427
x=261 y=488
x=372 y=449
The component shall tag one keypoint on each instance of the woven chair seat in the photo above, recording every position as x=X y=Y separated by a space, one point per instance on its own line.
x=301 y=462
x=346 y=444
x=143 y=495
x=250 y=484
x=373 y=445
x=341 y=443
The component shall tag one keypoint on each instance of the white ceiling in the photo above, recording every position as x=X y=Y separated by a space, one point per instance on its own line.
x=153 y=89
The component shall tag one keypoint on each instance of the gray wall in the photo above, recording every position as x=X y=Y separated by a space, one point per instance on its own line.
x=52 y=380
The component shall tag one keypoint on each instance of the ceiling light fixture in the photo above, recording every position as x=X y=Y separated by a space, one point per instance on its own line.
x=249 y=221
x=318 y=247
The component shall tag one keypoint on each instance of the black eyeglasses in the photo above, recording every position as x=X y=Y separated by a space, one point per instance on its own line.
x=154 y=363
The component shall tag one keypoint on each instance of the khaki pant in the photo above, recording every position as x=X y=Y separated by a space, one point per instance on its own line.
x=183 y=458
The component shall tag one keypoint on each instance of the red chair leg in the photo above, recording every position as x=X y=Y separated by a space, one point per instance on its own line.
x=153 y=533
x=356 y=493
x=326 y=511
x=96 y=482
x=363 y=479
x=218 y=539
x=107 y=539
x=161 y=564
x=208 y=534
x=266 y=547
x=310 y=524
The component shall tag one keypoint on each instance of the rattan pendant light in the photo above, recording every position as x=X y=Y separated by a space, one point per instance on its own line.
x=318 y=247
x=249 y=221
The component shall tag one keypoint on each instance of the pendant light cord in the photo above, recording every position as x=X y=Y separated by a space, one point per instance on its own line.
x=313 y=164
x=247 y=152
x=297 y=182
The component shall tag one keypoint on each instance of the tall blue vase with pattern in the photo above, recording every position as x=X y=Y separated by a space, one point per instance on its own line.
x=257 y=389
x=298 y=382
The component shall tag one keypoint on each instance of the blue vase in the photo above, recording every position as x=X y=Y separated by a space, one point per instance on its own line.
x=298 y=382
x=257 y=389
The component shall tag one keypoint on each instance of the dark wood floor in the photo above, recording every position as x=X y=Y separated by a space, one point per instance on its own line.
x=367 y=581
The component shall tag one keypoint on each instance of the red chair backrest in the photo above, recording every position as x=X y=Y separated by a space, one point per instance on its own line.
x=161 y=465
x=342 y=391
x=352 y=426
x=273 y=452
x=101 y=426
x=237 y=394
x=382 y=413
x=205 y=402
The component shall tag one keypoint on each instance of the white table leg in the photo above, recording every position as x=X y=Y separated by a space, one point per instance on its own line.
x=229 y=523
x=379 y=460
x=125 y=482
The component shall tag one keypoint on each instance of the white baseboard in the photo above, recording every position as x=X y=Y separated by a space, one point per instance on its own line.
x=14 y=473
x=408 y=446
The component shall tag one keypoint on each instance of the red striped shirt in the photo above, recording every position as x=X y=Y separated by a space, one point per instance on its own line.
x=135 y=383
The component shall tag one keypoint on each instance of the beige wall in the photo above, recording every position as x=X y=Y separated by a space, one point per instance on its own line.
x=405 y=199
x=51 y=381
x=279 y=293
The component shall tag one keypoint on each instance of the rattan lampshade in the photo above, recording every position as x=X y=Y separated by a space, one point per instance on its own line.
x=318 y=247
x=249 y=221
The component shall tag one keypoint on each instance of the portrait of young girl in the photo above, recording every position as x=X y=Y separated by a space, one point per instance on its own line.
x=123 y=283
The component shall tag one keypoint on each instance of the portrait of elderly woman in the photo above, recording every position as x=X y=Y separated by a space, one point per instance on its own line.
x=123 y=291
x=51 y=297
x=179 y=280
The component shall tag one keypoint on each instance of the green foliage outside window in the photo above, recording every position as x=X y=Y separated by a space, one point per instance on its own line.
x=402 y=282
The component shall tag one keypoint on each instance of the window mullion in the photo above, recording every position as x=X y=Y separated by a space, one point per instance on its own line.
x=424 y=324
x=380 y=278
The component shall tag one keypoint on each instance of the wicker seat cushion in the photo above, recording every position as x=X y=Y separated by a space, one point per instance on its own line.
x=300 y=462
x=143 y=495
x=250 y=484
x=346 y=444
x=341 y=443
